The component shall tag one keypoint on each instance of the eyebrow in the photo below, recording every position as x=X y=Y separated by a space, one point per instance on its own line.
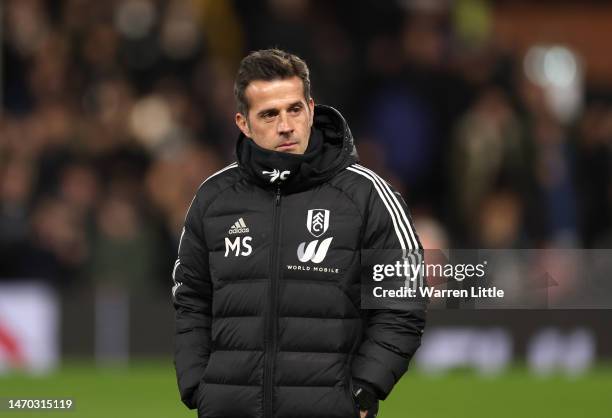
x=267 y=111
x=273 y=110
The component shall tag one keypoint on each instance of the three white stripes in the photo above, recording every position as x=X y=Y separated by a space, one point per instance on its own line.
x=405 y=233
x=401 y=224
x=178 y=260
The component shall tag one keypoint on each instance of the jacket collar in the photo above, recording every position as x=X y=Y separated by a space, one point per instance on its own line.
x=330 y=150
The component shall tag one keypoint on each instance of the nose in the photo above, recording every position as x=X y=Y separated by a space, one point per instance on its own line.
x=284 y=126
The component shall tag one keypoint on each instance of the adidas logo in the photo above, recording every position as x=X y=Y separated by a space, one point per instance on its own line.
x=239 y=227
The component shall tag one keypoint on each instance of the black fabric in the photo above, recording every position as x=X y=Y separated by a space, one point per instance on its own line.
x=268 y=318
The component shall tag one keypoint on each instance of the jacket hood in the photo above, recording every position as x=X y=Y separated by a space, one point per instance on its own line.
x=330 y=150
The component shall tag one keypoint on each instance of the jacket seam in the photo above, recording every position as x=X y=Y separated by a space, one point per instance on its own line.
x=203 y=215
x=320 y=317
x=248 y=350
x=276 y=385
x=361 y=216
x=214 y=199
x=288 y=316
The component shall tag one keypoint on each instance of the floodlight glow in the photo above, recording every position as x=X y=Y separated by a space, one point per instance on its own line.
x=560 y=66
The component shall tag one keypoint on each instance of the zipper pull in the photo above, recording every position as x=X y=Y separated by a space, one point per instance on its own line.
x=278 y=195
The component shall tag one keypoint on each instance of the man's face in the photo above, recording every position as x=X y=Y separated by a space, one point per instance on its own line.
x=279 y=117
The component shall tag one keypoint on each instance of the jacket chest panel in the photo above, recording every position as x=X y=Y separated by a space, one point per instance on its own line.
x=320 y=235
x=317 y=235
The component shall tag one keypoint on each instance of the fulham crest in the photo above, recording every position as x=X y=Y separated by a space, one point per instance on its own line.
x=317 y=221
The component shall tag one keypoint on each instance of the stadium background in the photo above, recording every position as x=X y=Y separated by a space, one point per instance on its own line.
x=494 y=119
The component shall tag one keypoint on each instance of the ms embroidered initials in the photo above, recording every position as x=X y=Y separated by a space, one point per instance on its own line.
x=240 y=246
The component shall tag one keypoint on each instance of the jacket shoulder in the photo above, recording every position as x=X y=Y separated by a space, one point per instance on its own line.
x=214 y=184
x=364 y=185
x=355 y=185
x=356 y=179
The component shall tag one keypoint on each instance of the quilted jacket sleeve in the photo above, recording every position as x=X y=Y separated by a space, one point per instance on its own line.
x=392 y=336
x=191 y=295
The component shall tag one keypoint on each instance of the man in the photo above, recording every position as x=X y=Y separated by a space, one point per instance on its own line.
x=267 y=282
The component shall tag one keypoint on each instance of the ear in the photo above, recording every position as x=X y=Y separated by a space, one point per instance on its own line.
x=311 y=105
x=242 y=124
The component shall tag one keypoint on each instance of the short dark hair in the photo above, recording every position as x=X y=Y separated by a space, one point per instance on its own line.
x=268 y=65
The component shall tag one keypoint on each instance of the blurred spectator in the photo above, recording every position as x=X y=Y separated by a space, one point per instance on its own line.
x=594 y=170
x=58 y=245
x=553 y=167
x=499 y=220
x=124 y=246
x=15 y=189
x=489 y=151
x=401 y=115
x=432 y=234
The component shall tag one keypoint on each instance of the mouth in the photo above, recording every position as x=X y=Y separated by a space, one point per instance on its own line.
x=286 y=146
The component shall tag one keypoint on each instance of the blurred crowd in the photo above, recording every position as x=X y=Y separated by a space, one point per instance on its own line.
x=114 y=112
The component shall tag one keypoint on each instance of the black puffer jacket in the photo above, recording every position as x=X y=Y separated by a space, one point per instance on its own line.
x=267 y=283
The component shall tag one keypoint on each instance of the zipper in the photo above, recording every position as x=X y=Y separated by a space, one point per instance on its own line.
x=271 y=336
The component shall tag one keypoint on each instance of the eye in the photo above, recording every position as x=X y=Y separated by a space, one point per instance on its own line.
x=295 y=109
